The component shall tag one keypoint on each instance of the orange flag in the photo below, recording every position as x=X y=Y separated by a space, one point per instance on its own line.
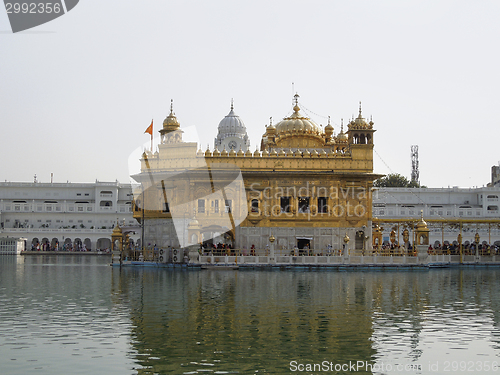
x=149 y=130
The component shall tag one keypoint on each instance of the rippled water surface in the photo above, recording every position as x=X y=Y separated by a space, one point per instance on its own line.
x=77 y=315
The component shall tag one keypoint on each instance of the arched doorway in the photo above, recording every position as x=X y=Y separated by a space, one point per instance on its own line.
x=45 y=245
x=78 y=244
x=103 y=244
x=68 y=245
x=88 y=244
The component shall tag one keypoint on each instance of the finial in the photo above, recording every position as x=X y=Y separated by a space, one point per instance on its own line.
x=341 y=125
x=271 y=121
x=296 y=107
x=359 y=109
x=171 y=106
x=328 y=120
x=232 y=104
x=422 y=215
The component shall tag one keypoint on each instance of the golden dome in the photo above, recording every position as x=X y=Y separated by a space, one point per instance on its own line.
x=297 y=131
x=329 y=128
x=422 y=224
x=171 y=123
x=297 y=123
x=270 y=129
x=117 y=230
x=342 y=137
x=359 y=122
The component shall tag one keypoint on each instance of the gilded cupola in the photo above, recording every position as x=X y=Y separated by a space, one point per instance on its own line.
x=171 y=132
x=359 y=123
x=298 y=131
x=360 y=131
x=342 y=137
x=171 y=123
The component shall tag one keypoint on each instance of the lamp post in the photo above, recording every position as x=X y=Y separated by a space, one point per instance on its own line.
x=460 y=246
x=346 y=242
x=476 y=240
x=406 y=239
x=272 y=239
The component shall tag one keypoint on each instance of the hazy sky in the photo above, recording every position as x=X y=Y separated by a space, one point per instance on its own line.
x=76 y=94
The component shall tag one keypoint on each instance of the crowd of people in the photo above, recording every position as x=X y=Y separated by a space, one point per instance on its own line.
x=46 y=246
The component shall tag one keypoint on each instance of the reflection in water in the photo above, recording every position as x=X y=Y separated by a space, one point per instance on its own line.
x=78 y=315
x=244 y=321
x=56 y=317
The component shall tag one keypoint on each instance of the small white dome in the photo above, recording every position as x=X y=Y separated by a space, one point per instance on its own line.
x=232 y=132
x=232 y=124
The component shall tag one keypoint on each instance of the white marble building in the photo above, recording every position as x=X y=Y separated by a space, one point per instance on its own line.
x=474 y=204
x=73 y=215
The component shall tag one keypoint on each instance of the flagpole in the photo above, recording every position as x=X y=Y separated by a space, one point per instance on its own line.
x=151 y=136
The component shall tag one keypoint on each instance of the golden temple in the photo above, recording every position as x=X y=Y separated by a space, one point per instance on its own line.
x=306 y=187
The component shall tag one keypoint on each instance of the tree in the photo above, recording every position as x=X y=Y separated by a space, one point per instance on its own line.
x=395 y=180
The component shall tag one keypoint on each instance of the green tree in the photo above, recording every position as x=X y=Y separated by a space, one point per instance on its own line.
x=394 y=180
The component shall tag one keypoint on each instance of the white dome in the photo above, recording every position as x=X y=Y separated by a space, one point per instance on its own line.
x=232 y=133
x=232 y=124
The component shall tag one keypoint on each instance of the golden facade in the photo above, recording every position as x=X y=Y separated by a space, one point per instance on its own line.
x=306 y=186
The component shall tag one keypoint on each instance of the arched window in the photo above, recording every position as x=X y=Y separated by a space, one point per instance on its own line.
x=255 y=205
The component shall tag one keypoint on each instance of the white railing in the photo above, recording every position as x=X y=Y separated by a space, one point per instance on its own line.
x=54 y=230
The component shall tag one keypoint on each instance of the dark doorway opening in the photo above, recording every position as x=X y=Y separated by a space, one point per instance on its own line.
x=304 y=245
